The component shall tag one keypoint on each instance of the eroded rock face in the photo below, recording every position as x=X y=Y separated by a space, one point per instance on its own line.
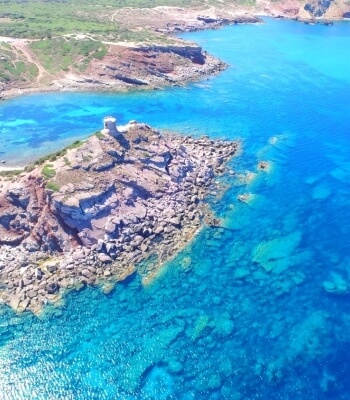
x=318 y=8
x=109 y=176
x=26 y=218
x=308 y=11
x=154 y=65
x=191 y=52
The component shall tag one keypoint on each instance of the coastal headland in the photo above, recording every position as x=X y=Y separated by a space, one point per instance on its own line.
x=55 y=46
x=92 y=213
x=145 y=54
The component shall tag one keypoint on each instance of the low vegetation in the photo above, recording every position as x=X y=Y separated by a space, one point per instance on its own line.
x=53 y=156
x=59 y=54
x=66 y=35
x=48 y=172
x=99 y=135
x=54 y=186
x=40 y=19
x=10 y=173
x=14 y=66
x=45 y=19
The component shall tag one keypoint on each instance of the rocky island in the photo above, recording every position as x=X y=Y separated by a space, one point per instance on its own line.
x=92 y=213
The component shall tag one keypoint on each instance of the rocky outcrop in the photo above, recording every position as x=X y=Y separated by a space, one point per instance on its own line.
x=214 y=21
x=24 y=217
x=130 y=80
x=309 y=11
x=94 y=214
x=318 y=8
x=154 y=65
x=143 y=66
x=191 y=52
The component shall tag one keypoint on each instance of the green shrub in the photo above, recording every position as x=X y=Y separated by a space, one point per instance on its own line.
x=48 y=172
x=58 y=54
x=29 y=167
x=74 y=145
x=11 y=173
x=99 y=135
x=57 y=154
x=54 y=186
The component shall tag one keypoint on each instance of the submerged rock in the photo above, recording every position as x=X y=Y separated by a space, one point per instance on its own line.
x=321 y=192
x=276 y=253
x=336 y=284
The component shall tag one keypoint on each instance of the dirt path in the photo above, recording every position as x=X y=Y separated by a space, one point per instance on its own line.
x=22 y=46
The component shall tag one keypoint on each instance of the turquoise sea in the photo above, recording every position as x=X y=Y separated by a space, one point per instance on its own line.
x=258 y=309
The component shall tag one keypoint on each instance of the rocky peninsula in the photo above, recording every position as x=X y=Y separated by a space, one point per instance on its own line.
x=125 y=67
x=103 y=64
x=92 y=213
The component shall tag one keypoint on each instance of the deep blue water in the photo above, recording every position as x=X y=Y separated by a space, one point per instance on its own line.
x=251 y=318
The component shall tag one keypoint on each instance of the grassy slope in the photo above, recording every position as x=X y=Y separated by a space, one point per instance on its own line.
x=38 y=18
x=60 y=54
x=14 y=66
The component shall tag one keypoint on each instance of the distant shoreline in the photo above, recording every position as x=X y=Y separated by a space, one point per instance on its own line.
x=210 y=67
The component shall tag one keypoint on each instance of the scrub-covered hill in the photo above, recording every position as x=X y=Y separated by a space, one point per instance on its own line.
x=119 y=45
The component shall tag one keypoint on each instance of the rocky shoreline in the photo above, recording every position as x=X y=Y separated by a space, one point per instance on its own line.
x=146 y=66
x=171 y=61
x=133 y=72
x=124 y=200
x=204 y=22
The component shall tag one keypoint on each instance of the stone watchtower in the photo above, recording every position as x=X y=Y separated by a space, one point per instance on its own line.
x=109 y=126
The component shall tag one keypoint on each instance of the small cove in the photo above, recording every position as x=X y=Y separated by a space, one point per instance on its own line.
x=250 y=317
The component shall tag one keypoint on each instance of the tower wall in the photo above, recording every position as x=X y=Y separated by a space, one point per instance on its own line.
x=109 y=124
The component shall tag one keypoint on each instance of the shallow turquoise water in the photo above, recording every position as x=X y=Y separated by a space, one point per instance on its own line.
x=226 y=328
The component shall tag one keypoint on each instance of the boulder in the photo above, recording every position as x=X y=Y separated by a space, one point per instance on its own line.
x=52 y=288
x=110 y=227
x=100 y=245
x=32 y=293
x=38 y=273
x=78 y=255
x=24 y=304
x=27 y=281
x=159 y=230
x=15 y=300
x=138 y=239
x=52 y=265
x=87 y=273
x=104 y=258
x=144 y=247
x=110 y=248
x=176 y=221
